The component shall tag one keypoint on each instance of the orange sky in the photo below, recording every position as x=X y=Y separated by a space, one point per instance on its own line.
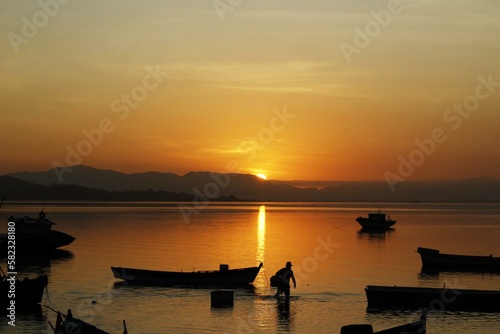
x=293 y=90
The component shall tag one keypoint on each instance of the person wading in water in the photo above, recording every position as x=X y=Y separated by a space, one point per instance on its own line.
x=283 y=277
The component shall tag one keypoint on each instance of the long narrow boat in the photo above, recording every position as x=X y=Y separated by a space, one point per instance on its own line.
x=222 y=277
x=416 y=327
x=434 y=261
x=449 y=299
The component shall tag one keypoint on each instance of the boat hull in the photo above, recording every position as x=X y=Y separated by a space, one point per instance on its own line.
x=434 y=261
x=35 y=234
x=71 y=325
x=441 y=299
x=29 y=243
x=28 y=293
x=370 y=224
x=416 y=327
x=224 y=278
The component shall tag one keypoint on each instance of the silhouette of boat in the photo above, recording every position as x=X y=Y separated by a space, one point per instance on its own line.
x=222 y=277
x=449 y=299
x=35 y=234
x=27 y=293
x=70 y=325
x=433 y=261
x=416 y=327
x=376 y=221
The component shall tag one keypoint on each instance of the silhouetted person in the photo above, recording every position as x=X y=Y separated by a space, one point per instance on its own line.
x=283 y=276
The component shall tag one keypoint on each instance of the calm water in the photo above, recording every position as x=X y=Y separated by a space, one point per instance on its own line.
x=333 y=262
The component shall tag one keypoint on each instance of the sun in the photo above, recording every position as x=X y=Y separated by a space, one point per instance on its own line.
x=262 y=176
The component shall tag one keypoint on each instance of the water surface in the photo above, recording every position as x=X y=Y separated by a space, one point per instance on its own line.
x=333 y=262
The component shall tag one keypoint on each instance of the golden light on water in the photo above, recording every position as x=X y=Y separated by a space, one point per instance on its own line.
x=261 y=280
x=261 y=233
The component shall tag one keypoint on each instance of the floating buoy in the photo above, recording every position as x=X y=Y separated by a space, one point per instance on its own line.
x=357 y=329
x=222 y=298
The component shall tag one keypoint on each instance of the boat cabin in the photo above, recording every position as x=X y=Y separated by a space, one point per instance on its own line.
x=377 y=216
x=31 y=226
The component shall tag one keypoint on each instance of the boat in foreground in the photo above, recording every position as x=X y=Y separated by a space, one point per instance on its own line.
x=26 y=293
x=34 y=234
x=441 y=299
x=434 y=261
x=376 y=221
x=71 y=325
x=222 y=277
x=416 y=327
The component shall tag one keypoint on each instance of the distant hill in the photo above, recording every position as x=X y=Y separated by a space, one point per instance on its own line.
x=195 y=184
x=15 y=189
x=100 y=179
x=470 y=190
x=84 y=182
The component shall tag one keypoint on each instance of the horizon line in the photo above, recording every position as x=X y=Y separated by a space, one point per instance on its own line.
x=296 y=182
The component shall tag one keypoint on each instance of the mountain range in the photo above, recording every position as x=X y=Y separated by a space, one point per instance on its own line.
x=88 y=183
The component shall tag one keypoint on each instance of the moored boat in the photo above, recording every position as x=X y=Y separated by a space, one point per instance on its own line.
x=376 y=221
x=416 y=327
x=434 y=261
x=222 y=277
x=440 y=299
x=26 y=294
x=34 y=234
x=68 y=325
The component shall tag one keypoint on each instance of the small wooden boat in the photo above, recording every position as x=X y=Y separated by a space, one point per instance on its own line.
x=26 y=293
x=376 y=221
x=416 y=327
x=222 y=277
x=434 y=261
x=70 y=325
x=35 y=234
x=449 y=299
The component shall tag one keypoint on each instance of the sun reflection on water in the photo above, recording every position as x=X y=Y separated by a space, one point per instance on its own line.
x=261 y=279
x=261 y=233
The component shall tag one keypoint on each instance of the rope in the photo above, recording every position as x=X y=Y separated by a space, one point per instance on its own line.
x=50 y=308
x=47 y=293
x=343 y=225
x=267 y=280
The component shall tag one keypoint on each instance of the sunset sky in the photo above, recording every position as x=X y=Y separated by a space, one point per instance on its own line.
x=306 y=90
